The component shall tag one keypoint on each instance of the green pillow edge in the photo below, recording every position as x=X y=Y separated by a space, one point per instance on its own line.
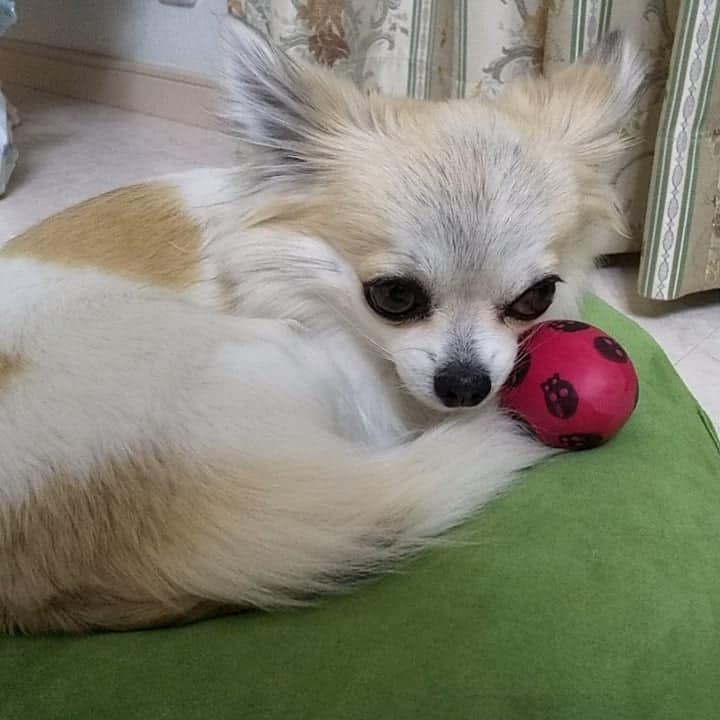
x=426 y=643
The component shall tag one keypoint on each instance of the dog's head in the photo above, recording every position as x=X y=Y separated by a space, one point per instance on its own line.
x=446 y=226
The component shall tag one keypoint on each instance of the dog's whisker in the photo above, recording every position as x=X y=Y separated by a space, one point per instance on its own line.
x=429 y=353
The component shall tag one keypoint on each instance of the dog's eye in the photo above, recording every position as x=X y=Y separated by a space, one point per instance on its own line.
x=534 y=301
x=397 y=298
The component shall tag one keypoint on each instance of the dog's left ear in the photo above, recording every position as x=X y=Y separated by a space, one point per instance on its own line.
x=584 y=106
x=289 y=111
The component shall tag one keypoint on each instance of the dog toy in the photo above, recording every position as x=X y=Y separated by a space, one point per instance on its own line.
x=572 y=386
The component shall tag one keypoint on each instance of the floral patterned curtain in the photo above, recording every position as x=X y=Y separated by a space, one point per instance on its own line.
x=669 y=181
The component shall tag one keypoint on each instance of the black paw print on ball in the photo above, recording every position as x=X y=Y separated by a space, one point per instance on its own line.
x=609 y=349
x=560 y=397
x=581 y=441
x=568 y=325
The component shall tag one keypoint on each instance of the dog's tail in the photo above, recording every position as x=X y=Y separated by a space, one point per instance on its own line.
x=171 y=536
x=323 y=519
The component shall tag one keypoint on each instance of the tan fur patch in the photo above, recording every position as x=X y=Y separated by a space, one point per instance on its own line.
x=10 y=365
x=140 y=232
x=351 y=231
x=88 y=552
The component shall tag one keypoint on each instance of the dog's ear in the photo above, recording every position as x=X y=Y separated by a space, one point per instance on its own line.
x=288 y=110
x=586 y=105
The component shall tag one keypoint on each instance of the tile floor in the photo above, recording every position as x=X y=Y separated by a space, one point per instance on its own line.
x=71 y=150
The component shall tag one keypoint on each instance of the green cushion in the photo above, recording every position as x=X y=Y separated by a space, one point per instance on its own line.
x=590 y=590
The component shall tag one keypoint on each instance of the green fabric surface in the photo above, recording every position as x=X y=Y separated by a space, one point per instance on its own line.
x=590 y=590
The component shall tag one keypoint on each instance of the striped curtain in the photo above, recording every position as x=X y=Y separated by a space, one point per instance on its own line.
x=669 y=181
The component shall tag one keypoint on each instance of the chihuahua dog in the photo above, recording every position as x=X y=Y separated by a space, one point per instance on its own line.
x=241 y=387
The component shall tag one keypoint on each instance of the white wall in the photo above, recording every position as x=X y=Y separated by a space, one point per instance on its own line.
x=144 y=31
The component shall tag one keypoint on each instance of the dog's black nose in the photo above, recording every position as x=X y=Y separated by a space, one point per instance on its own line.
x=462 y=385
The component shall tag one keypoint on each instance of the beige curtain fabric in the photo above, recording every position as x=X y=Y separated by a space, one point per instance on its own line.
x=459 y=48
x=681 y=253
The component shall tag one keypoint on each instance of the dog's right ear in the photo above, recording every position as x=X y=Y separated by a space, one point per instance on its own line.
x=289 y=110
x=584 y=106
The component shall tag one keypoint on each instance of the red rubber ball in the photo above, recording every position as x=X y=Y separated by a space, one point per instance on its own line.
x=573 y=386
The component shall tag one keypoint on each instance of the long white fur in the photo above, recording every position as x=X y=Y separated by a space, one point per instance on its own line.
x=290 y=417
x=112 y=364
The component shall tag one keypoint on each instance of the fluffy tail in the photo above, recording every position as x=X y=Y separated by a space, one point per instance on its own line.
x=169 y=535
x=320 y=520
